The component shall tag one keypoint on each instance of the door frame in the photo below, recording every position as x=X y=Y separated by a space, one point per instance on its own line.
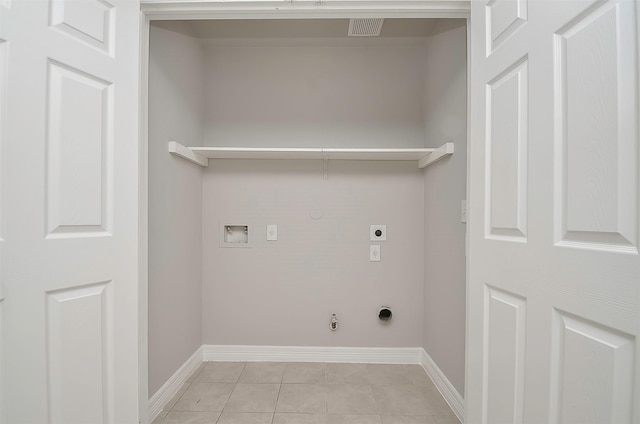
x=159 y=10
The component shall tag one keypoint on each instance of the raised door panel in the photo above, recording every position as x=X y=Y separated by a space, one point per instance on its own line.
x=504 y=18
x=592 y=378
x=506 y=145
x=79 y=354
x=596 y=142
x=90 y=21
x=78 y=150
x=505 y=327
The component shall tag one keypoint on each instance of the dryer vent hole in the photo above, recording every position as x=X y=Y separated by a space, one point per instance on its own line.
x=385 y=314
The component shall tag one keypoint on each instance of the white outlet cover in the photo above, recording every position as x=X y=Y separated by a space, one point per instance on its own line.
x=272 y=232
x=374 y=253
x=372 y=232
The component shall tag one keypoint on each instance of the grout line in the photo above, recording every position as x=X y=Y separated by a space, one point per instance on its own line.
x=275 y=407
x=230 y=394
x=186 y=386
x=244 y=367
x=326 y=399
x=198 y=372
x=377 y=402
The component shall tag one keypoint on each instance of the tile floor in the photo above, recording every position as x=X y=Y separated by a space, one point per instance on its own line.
x=307 y=393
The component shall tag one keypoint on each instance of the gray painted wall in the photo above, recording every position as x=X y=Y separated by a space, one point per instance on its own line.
x=284 y=292
x=444 y=188
x=175 y=202
x=305 y=95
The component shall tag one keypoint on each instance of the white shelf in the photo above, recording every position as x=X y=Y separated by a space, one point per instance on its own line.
x=257 y=153
x=201 y=155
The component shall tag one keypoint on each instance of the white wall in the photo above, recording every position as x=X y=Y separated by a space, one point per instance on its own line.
x=284 y=292
x=303 y=94
x=175 y=202
x=444 y=188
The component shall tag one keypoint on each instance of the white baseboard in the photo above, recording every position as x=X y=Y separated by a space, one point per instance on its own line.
x=371 y=355
x=450 y=394
x=173 y=384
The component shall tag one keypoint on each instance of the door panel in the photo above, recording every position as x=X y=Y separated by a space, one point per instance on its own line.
x=79 y=357
x=507 y=127
x=90 y=21
x=505 y=327
x=604 y=394
x=70 y=258
x=503 y=18
x=554 y=272
x=79 y=142
x=596 y=152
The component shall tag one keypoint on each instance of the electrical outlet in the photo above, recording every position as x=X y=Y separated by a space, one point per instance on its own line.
x=272 y=232
x=374 y=253
x=378 y=232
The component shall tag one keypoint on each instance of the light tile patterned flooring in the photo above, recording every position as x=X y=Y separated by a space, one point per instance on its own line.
x=307 y=393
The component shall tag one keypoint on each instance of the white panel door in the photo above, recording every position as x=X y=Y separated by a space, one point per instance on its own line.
x=69 y=264
x=554 y=285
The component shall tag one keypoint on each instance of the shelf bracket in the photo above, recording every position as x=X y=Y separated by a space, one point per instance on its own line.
x=178 y=149
x=443 y=151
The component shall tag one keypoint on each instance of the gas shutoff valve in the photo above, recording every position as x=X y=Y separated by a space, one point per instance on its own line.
x=334 y=323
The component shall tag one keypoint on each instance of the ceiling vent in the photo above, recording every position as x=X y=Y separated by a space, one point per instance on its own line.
x=365 y=27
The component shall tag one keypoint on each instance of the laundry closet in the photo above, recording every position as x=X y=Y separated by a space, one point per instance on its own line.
x=273 y=147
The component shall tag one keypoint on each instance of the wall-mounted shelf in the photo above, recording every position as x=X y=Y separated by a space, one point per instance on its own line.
x=201 y=155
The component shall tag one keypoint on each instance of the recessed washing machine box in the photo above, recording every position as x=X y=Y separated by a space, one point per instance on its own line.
x=236 y=234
